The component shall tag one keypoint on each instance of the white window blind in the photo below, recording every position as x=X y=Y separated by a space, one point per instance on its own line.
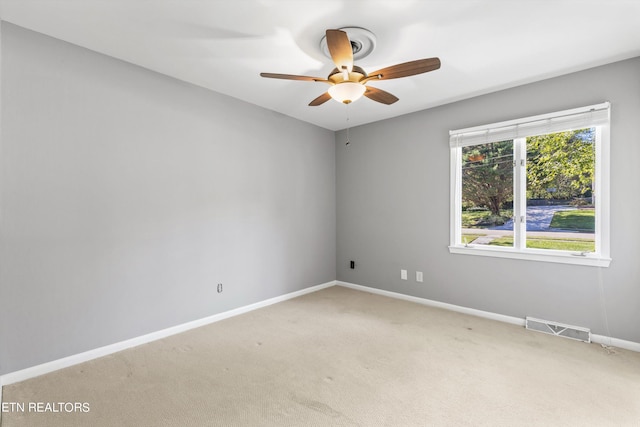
x=577 y=118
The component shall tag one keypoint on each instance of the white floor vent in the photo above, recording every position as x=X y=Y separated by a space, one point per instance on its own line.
x=558 y=329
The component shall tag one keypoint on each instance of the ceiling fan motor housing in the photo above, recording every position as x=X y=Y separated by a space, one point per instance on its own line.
x=356 y=75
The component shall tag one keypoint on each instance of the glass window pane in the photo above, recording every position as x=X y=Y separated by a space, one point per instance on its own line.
x=487 y=194
x=560 y=197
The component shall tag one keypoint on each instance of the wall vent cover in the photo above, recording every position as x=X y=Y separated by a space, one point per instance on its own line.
x=558 y=329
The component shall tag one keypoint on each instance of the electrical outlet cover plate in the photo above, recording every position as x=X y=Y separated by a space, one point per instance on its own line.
x=403 y=274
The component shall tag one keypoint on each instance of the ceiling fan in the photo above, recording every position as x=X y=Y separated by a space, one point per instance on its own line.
x=349 y=82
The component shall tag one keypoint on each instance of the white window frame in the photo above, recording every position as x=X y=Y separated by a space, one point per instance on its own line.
x=597 y=116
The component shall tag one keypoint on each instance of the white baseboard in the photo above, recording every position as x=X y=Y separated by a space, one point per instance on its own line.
x=34 y=371
x=431 y=303
x=598 y=339
x=615 y=342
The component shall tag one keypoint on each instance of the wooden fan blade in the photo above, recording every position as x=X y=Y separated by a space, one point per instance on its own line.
x=380 y=95
x=320 y=100
x=293 y=77
x=406 y=69
x=340 y=49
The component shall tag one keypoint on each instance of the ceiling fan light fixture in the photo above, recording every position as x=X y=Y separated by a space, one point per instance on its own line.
x=347 y=92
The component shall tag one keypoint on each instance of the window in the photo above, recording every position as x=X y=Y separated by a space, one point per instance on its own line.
x=534 y=188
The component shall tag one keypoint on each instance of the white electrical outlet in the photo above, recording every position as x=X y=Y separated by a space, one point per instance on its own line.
x=403 y=274
x=419 y=276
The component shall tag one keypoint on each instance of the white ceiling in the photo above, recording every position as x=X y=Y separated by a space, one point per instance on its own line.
x=484 y=45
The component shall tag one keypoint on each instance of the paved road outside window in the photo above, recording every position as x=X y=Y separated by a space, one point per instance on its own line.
x=538 y=218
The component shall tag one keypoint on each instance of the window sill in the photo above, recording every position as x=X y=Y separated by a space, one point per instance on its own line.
x=533 y=255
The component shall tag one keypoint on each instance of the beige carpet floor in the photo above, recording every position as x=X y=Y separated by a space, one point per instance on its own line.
x=340 y=357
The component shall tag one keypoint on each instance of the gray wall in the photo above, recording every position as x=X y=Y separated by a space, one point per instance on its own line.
x=393 y=209
x=127 y=196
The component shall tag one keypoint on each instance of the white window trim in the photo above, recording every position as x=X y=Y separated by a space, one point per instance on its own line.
x=594 y=115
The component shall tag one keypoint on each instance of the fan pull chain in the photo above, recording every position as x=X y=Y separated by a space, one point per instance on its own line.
x=348 y=142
